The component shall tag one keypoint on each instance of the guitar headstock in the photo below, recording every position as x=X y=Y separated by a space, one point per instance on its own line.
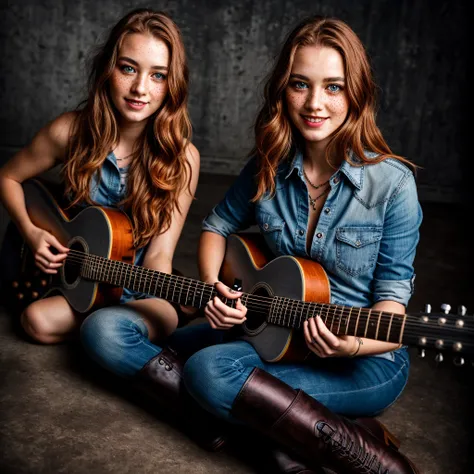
x=448 y=334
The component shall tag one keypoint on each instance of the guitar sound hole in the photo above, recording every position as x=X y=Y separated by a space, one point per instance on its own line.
x=72 y=266
x=254 y=319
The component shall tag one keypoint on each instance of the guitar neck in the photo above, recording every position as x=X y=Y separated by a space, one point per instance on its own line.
x=346 y=320
x=286 y=312
x=174 y=288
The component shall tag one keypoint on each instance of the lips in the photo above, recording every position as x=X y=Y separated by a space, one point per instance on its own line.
x=135 y=104
x=314 y=122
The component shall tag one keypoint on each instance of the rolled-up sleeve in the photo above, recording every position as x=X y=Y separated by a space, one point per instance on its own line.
x=236 y=211
x=394 y=274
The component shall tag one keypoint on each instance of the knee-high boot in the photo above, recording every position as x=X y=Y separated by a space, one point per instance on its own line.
x=161 y=379
x=302 y=424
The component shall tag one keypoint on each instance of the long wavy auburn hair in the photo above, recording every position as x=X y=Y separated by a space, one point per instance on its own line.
x=276 y=138
x=159 y=169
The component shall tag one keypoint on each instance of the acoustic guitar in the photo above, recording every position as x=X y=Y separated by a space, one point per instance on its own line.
x=280 y=293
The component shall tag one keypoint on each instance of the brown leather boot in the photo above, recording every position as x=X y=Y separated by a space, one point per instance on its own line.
x=161 y=378
x=304 y=425
x=284 y=463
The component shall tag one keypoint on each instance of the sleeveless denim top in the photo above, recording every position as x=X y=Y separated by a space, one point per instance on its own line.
x=109 y=191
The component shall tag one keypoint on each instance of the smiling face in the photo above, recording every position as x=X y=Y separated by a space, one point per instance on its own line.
x=316 y=99
x=138 y=84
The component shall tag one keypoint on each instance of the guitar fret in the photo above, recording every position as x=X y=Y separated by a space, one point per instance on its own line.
x=367 y=323
x=348 y=320
x=340 y=319
x=389 y=327
x=378 y=325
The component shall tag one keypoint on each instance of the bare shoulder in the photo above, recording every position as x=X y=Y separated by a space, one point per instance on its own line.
x=192 y=154
x=59 y=130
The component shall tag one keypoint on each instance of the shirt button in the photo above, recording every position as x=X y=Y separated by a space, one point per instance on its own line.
x=358 y=243
x=327 y=210
x=319 y=235
x=301 y=232
x=265 y=226
x=336 y=180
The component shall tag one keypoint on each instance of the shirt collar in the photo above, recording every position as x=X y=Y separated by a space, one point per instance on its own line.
x=355 y=174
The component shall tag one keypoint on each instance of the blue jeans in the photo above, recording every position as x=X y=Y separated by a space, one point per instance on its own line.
x=117 y=338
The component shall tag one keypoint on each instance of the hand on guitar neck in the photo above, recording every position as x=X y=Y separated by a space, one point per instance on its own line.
x=218 y=312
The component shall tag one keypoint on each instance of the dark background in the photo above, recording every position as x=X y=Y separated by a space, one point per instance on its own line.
x=59 y=413
x=419 y=52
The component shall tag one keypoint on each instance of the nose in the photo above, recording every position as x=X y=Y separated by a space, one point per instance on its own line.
x=139 y=85
x=314 y=99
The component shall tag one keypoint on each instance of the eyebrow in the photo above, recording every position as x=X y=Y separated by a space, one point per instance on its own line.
x=326 y=79
x=130 y=60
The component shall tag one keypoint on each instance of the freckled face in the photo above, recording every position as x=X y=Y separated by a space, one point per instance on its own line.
x=138 y=84
x=315 y=96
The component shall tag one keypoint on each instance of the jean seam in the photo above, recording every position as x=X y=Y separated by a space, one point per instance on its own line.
x=366 y=389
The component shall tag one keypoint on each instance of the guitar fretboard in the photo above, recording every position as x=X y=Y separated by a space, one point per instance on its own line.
x=280 y=311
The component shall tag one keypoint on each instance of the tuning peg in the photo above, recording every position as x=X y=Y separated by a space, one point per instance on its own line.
x=462 y=310
x=421 y=353
x=445 y=308
x=43 y=282
x=15 y=284
x=427 y=308
x=439 y=357
x=34 y=294
x=458 y=361
x=28 y=284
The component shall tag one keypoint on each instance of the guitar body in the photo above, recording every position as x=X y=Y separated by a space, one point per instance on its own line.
x=94 y=230
x=290 y=277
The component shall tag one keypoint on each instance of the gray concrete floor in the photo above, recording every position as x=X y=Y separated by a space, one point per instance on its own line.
x=59 y=413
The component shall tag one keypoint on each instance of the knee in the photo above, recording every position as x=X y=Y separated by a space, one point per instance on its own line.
x=100 y=334
x=108 y=335
x=214 y=378
x=38 y=326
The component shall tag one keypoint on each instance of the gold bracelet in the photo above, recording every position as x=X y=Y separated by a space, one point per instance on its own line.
x=360 y=341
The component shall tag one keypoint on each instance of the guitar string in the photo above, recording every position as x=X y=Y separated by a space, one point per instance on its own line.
x=266 y=300
x=345 y=311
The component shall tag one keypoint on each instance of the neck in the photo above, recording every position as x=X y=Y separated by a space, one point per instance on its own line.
x=315 y=160
x=129 y=132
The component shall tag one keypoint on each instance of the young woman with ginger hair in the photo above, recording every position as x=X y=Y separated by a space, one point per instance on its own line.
x=128 y=146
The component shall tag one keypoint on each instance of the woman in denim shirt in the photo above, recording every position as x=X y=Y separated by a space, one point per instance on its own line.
x=127 y=147
x=322 y=184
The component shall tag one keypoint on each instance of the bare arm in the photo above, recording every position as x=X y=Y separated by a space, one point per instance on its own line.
x=210 y=257
x=45 y=150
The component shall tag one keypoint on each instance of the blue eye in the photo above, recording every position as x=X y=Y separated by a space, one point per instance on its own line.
x=334 y=88
x=127 y=69
x=300 y=85
x=159 y=76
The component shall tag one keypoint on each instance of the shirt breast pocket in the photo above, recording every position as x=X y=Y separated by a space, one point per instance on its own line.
x=271 y=227
x=357 y=248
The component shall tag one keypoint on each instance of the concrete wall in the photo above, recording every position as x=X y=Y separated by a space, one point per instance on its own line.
x=418 y=49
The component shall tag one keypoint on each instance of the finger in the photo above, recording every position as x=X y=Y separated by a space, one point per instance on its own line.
x=331 y=339
x=214 y=318
x=225 y=320
x=228 y=311
x=226 y=291
x=316 y=336
x=310 y=343
x=52 y=240
x=54 y=258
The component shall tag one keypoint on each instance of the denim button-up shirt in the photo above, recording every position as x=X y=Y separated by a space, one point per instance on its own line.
x=366 y=235
x=108 y=192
